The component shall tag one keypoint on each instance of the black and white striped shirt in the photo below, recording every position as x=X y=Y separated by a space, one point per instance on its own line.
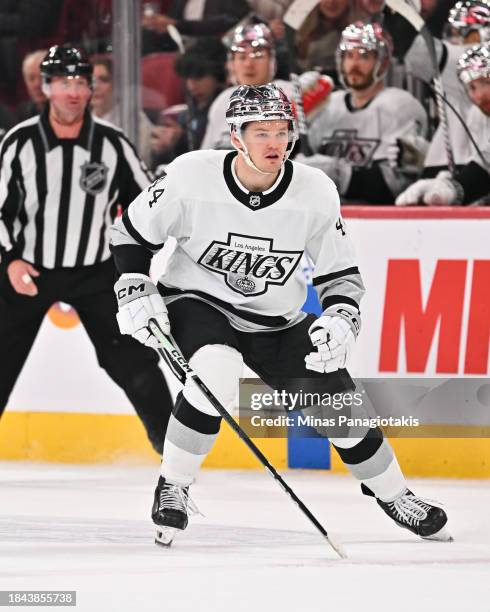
x=58 y=197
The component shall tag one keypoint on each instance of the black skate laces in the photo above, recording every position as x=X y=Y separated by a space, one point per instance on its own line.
x=173 y=497
x=411 y=509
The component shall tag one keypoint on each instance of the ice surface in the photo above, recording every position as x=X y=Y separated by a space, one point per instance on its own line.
x=87 y=528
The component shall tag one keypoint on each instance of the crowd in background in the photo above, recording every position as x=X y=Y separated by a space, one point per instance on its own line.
x=250 y=42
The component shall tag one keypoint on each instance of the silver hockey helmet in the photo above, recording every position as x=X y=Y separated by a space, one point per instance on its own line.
x=260 y=103
x=474 y=64
x=368 y=37
x=467 y=16
x=257 y=36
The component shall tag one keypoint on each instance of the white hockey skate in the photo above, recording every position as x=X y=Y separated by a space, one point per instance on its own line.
x=171 y=510
x=416 y=514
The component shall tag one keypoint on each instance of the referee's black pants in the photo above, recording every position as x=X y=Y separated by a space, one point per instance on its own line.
x=89 y=290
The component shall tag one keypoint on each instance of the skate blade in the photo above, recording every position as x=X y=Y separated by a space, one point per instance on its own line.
x=165 y=536
x=442 y=535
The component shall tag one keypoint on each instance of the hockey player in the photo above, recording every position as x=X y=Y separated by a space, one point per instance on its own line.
x=472 y=181
x=353 y=133
x=468 y=24
x=242 y=220
x=252 y=61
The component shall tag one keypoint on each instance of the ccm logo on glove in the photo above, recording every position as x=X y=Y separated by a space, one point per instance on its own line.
x=138 y=302
x=127 y=291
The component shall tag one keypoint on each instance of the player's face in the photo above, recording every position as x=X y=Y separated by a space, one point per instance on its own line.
x=252 y=66
x=358 y=67
x=454 y=36
x=69 y=97
x=267 y=142
x=472 y=38
x=479 y=92
x=373 y=6
x=333 y=9
x=101 y=101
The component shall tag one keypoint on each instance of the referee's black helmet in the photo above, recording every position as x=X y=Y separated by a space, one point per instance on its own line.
x=65 y=60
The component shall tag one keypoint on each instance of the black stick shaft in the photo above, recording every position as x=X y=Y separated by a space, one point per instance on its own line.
x=170 y=352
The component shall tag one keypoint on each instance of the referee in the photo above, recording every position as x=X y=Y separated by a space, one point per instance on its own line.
x=63 y=175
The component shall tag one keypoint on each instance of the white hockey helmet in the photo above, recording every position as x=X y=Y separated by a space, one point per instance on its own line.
x=468 y=16
x=256 y=35
x=369 y=37
x=260 y=103
x=474 y=64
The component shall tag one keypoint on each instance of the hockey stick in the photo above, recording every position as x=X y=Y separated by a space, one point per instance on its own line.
x=177 y=38
x=293 y=19
x=183 y=370
x=406 y=10
x=304 y=144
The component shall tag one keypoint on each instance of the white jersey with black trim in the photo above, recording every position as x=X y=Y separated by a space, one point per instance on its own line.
x=239 y=250
x=217 y=134
x=479 y=126
x=362 y=136
x=418 y=64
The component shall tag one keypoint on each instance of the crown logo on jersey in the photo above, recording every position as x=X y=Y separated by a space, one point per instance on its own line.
x=347 y=145
x=245 y=284
x=249 y=264
x=254 y=201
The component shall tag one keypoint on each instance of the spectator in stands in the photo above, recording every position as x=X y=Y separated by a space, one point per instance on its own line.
x=319 y=36
x=206 y=18
x=23 y=23
x=251 y=59
x=31 y=71
x=103 y=105
x=269 y=10
x=203 y=69
x=353 y=132
x=376 y=11
x=272 y=12
x=472 y=181
x=468 y=22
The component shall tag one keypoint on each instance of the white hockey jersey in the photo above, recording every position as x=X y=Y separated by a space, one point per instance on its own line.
x=217 y=134
x=238 y=250
x=362 y=136
x=479 y=126
x=417 y=63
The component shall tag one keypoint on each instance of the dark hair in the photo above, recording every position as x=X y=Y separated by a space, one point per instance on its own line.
x=103 y=61
x=207 y=57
